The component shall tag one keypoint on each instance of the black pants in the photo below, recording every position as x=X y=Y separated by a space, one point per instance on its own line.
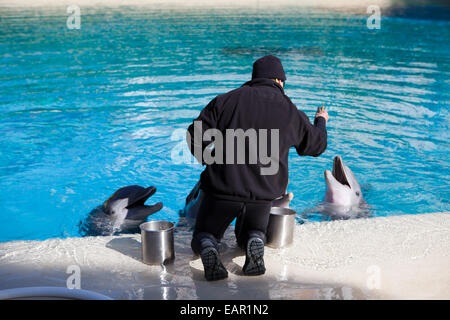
x=215 y=215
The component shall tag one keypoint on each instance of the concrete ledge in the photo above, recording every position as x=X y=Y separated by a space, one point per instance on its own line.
x=400 y=257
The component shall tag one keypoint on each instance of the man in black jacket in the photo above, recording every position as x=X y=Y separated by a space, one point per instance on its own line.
x=241 y=181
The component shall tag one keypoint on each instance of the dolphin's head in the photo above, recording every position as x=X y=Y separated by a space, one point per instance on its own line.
x=127 y=205
x=342 y=187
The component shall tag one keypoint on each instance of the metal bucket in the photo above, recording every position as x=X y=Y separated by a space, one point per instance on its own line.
x=157 y=242
x=280 y=230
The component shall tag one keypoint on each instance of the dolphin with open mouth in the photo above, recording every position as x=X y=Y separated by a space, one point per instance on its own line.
x=343 y=196
x=124 y=211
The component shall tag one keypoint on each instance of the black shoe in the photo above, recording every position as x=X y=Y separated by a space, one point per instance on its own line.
x=254 y=262
x=214 y=269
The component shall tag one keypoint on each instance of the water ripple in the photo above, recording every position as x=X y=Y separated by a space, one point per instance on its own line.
x=86 y=112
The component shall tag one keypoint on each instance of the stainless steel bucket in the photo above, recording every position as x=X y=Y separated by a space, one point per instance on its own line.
x=280 y=231
x=157 y=242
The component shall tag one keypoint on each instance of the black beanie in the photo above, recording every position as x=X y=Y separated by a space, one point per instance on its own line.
x=268 y=67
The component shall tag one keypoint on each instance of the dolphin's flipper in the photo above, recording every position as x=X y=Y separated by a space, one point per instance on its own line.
x=193 y=202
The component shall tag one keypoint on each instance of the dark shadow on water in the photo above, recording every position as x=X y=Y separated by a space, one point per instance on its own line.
x=437 y=10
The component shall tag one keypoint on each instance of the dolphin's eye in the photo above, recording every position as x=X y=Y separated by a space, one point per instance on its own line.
x=357 y=193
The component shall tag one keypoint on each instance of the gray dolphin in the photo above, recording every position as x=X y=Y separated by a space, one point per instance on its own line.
x=124 y=210
x=343 y=196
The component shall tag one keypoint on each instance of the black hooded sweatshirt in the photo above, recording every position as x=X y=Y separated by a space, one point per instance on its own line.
x=258 y=104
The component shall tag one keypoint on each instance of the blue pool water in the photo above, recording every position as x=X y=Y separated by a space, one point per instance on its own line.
x=84 y=112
